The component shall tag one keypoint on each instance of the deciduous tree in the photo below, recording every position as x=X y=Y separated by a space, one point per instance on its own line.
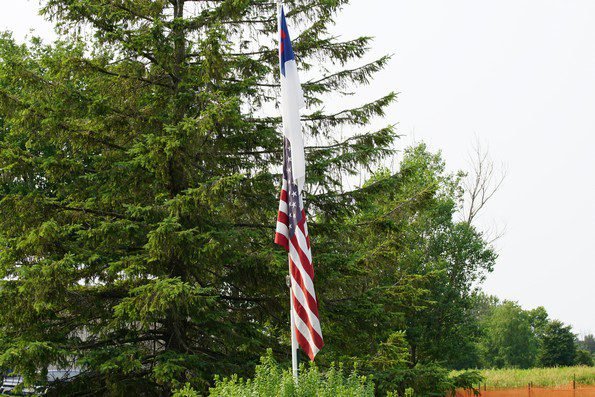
x=508 y=338
x=558 y=346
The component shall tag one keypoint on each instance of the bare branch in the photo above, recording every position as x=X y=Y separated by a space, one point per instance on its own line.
x=482 y=183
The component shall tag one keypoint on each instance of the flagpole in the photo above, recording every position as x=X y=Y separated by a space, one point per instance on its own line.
x=294 y=344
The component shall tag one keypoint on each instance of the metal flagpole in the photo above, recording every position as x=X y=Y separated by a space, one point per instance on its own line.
x=294 y=344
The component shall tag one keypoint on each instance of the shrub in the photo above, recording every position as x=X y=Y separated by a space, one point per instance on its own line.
x=271 y=380
x=186 y=391
x=426 y=380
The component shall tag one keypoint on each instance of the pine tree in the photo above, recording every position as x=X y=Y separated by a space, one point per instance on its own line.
x=139 y=160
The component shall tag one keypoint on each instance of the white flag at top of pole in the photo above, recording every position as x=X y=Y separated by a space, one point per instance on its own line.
x=292 y=100
x=292 y=228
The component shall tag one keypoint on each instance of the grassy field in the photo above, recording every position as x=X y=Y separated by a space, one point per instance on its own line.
x=541 y=377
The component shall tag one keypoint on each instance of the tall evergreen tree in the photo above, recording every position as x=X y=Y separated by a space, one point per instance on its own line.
x=139 y=180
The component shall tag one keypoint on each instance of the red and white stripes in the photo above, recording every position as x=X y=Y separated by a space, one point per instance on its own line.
x=292 y=231
x=305 y=305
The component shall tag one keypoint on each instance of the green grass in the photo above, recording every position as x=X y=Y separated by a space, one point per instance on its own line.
x=541 y=377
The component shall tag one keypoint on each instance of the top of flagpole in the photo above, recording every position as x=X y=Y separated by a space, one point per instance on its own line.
x=279 y=8
x=279 y=11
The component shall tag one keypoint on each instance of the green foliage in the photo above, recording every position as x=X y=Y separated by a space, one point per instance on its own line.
x=558 y=348
x=509 y=340
x=411 y=266
x=433 y=380
x=409 y=392
x=452 y=256
x=139 y=187
x=393 y=374
x=588 y=343
x=584 y=357
x=392 y=354
x=466 y=380
x=272 y=380
x=513 y=337
x=138 y=194
x=186 y=391
x=539 y=320
x=389 y=365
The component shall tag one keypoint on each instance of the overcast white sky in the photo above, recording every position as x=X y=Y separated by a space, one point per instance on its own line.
x=519 y=76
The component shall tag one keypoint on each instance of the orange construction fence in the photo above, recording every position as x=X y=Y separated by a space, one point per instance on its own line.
x=531 y=391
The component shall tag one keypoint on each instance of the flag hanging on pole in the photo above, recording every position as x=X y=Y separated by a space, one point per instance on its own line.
x=292 y=230
x=292 y=100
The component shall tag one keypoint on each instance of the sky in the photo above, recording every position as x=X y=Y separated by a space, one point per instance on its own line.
x=519 y=78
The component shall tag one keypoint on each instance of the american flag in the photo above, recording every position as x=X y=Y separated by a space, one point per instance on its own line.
x=292 y=230
x=292 y=233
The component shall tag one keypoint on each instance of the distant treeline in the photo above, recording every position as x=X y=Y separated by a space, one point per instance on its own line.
x=513 y=337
